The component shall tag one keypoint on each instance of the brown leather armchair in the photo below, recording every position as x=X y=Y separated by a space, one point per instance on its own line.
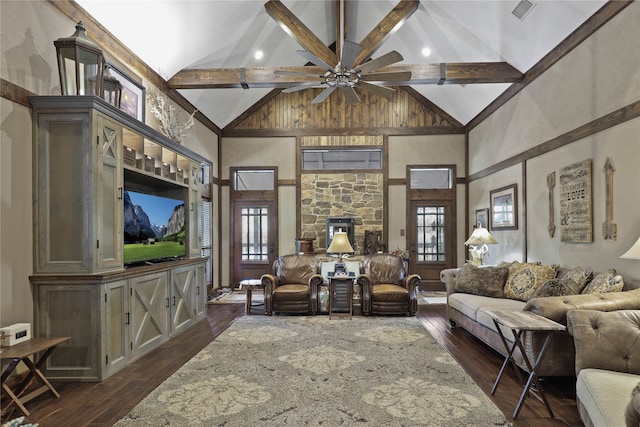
x=293 y=286
x=386 y=288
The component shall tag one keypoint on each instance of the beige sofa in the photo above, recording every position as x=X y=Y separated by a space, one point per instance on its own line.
x=469 y=311
x=607 y=366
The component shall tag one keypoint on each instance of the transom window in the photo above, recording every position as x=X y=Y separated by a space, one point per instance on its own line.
x=246 y=180
x=431 y=179
x=342 y=158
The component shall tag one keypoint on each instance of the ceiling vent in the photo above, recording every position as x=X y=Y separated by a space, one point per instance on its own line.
x=522 y=9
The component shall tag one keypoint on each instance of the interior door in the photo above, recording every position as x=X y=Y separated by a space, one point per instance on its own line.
x=254 y=223
x=431 y=245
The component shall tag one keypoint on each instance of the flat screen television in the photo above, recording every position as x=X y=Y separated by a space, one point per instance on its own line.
x=154 y=228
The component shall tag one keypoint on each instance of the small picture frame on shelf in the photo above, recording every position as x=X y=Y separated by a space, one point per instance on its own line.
x=133 y=94
x=504 y=208
x=482 y=218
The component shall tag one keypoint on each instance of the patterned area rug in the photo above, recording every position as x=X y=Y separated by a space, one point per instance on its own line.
x=312 y=371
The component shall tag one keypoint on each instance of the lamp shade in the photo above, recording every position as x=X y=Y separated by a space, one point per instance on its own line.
x=480 y=236
x=633 y=252
x=80 y=63
x=340 y=244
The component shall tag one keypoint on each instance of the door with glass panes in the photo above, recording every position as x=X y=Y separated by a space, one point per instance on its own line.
x=431 y=196
x=253 y=223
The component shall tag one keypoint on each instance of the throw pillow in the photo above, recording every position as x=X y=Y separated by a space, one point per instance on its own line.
x=555 y=288
x=484 y=281
x=524 y=279
x=632 y=413
x=607 y=281
x=578 y=277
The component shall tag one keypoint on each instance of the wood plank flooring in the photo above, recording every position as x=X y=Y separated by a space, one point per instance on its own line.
x=102 y=404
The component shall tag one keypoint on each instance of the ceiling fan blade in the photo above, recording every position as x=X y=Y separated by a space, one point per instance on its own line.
x=323 y=95
x=386 y=59
x=350 y=51
x=378 y=90
x=350 y=96
x=398 y=76
x=314 y=59
x=301 y=87
x=296 y=73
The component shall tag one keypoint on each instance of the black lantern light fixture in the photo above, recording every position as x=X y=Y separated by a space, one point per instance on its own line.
x=112 y=88
x=80 y=63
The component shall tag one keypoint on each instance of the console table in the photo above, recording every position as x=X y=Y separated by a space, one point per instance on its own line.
x=519 y=322
x=23 y=352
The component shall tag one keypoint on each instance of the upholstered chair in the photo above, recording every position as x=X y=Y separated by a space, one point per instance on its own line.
x=386 y=288
x=293 y=286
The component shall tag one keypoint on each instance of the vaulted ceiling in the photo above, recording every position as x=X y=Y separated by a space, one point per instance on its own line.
x=176 y=37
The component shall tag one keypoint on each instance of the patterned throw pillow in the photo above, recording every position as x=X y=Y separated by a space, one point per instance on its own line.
x=607 y=281
x=578 y=277
x=524 y=279
x=484 y=281
x=555 y=288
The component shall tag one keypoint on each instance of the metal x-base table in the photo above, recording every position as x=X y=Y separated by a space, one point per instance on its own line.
x=519 y=322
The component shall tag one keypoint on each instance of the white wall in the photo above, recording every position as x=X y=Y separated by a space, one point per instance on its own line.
x=598 y=77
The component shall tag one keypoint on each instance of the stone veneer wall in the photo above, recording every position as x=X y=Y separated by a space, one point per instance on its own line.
x=359 y=195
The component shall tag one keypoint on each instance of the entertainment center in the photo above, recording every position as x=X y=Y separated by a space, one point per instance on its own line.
x=88 y=155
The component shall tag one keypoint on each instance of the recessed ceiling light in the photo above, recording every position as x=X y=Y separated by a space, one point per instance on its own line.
x=258 y=55
x=426 y=51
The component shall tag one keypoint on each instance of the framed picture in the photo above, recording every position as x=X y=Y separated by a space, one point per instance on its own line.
x=482 y=218
x=133 y=94
x=504 y=208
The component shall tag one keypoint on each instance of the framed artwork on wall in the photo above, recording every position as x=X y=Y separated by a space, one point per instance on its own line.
x=482 y=218
x=133 y=94
x=504 y=208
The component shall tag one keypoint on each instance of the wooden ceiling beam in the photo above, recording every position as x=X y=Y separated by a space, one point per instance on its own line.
x=450 y=73
x=389 y=25
x=300 y=32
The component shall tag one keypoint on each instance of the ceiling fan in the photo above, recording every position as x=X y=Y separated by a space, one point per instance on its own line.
x=353 y=68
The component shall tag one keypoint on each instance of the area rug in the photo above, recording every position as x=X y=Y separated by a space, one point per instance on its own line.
x=312 y=371
x=433 y=297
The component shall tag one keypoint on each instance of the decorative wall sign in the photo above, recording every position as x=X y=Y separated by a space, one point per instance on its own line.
x=504 y=208
x=551 y=183
x=576 y=210
x=609 y=228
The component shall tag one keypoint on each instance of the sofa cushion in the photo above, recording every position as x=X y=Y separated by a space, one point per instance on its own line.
x=525 y=278
x=485 y=281
x=607 y=281
x=603 y=396
x=632 y=412
x=578 y=277
x=469 y=304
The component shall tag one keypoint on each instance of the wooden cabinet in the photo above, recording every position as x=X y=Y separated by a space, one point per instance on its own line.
x=86 y=152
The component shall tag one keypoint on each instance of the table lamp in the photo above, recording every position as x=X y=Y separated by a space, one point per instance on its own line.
x=478 y=241
x=340 y=245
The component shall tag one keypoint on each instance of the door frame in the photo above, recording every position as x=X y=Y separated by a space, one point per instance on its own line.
x=244 y=198
x=435 y=197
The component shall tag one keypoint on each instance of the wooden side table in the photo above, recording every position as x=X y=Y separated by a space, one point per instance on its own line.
x=519 y=322
x=340 y=296
x=250 y=285
x=22 y=352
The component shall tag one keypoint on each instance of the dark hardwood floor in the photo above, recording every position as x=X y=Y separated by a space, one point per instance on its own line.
x=102 y=404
